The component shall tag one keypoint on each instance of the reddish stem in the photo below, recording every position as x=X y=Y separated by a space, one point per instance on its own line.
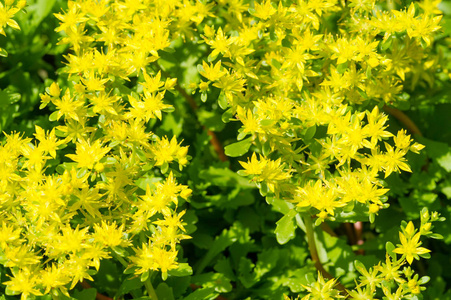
x=358 y=229
x=404 y=119
x=214 y=141
x=350 y=233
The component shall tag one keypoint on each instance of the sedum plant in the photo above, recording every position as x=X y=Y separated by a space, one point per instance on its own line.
x=100 y=184
x=309 y=92
x=306 y=87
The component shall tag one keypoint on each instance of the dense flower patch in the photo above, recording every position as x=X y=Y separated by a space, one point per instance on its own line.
x=119 y=186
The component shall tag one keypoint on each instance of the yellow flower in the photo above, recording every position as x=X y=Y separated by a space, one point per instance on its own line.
x=410 y=244
x=322 y=289
x=6 y=15
x=221 y=43
x=88 y=155
x=251 y=121
x=110 y=234
x=54 y=276
x=48 y=142
x=71 y=18
x=254 y=166
x=264 y=11
x=152 y=258
x=211 y=72
x=394 y=160
x=165 y=151
x=24 y=281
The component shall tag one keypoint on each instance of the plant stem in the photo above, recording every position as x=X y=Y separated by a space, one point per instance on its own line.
x=314 y=252
x=404 y=119
x=55 y=296
x=120 y=259
x=214 y=141
x=150 y=289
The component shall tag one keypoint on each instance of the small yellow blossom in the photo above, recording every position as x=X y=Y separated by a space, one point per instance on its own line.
x=410 y=244
x=88 y=154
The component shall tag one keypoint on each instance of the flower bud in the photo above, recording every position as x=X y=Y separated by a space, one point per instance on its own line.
x=374 y=208
x=99 y=167
x=426 y=227
x=186 y=193
x=170 y=83
x=21 y=4
x=54 y=90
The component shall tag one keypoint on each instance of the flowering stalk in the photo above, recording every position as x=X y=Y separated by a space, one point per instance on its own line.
x=150 y=289
x=309 y=230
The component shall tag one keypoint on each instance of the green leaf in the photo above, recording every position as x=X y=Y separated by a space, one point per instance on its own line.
x=247 y=275
x=386 y=44
x=3 y=52
x=341 y=68
x=227 y=238
x=359 y=267
x=241 y=135
x=224 y=177
x=129 y=285
x=389 y=247
x=203 y=97
x=119 y=250
x=183 y=269
x=286 y=227
x=218 y=281
x=267 y=261
x=310 y=133
x=169 y=50
x=275 y=63
x=107 y=277
x=10 y=292
x=439 y=151
x=203 y=294
x=436 y=236
x=222 y=101
x=266 y=148
x=141 y=154
x=211 y=120
x=144 y=181
x=424 y=280
x=65 y=166
x=227 y=116
x=87 y=294
x=239 y=148
x=164 y=292
x=224 y=266
x=200 y=68
x=38 y=10
x=144 y=276
x=53 y=116
x=267 y=122
x=164 y=167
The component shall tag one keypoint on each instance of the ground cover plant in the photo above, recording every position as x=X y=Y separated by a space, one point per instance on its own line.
x=226 y=149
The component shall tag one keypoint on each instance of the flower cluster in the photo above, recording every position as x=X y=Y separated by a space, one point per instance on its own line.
x=310 y=94
x=58 y=226
x=391 y=278
x=308 y=81
x=7 y=13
